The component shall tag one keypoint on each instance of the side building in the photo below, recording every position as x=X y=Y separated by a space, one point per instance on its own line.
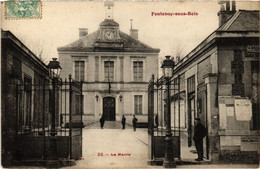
x=219 y=83
x=30 y=110
x=115 y=69
x=25 y=105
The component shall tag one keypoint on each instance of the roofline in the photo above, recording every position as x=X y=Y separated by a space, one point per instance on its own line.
x=9 y=35
x=216 y=35
x=140 y=41
x=234 y=17
x=65 y=48
x=61 y=49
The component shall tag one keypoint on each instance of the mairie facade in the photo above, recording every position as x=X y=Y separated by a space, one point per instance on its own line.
x=115 y=69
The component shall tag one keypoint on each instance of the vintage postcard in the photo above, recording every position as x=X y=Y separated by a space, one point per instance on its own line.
x=129 y=84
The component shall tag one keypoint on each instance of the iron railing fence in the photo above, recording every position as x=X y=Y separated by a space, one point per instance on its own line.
x=157 y=100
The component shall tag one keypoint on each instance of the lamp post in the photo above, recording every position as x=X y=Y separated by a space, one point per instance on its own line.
x=54 y=72
x=167 y=68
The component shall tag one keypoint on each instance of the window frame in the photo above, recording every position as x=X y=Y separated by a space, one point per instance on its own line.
x=139 y=71
x=138 y=59
x=80 y=69
x=111 y=79
x=139 y=109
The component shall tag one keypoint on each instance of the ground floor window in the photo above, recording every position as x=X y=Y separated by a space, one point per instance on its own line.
x=138 y=103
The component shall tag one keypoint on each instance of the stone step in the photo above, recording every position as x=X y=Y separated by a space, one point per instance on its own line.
x=108 y=125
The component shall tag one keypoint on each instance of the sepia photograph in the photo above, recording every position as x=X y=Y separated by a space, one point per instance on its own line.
x=130 y=84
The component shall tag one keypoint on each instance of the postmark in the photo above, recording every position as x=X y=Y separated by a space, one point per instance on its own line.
x=23 y=9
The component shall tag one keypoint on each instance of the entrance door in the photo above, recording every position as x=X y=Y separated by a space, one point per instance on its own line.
x=191 y=116
x=109 y=108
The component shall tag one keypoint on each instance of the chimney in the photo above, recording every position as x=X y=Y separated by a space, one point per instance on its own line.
x=134 y=33
x=225 y=13
x=83 y=32
x=233 y=5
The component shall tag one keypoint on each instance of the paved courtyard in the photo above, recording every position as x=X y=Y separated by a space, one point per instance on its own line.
x=112 y=148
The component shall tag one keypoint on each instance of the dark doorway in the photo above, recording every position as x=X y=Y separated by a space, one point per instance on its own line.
x=109 y=108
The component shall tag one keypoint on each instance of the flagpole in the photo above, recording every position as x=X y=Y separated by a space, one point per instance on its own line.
x=109 y=86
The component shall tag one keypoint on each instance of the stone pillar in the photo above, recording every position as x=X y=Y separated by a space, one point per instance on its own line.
x=121 y=69
x=96 y=68
x=212 y=116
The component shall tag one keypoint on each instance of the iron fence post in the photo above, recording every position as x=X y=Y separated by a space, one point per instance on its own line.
x=70 y=115
x=168 y=160
x=53 y=159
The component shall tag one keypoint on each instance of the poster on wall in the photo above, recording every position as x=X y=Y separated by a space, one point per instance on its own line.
x=243 y=109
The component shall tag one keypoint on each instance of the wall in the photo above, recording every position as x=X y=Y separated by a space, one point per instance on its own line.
x=122 y=85
x=17 y=61
x=238 y=142
x=33 y=147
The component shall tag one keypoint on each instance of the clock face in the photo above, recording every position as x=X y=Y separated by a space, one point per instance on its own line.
x=109 y=34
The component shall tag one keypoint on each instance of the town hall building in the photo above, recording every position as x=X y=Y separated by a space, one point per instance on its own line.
x=115 y=69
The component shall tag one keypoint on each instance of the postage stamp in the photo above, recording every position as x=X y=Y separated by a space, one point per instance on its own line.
x=23 y=9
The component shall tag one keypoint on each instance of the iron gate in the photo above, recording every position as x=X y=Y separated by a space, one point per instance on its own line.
x=34 y=101
x=157 y=92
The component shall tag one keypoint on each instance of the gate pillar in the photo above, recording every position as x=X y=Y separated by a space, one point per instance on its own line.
x=212 y=116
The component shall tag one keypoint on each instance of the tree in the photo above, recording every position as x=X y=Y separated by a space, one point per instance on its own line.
x=177 y=52
x=36 y=47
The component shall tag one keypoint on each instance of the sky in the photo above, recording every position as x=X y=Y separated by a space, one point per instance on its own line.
x=60 y=22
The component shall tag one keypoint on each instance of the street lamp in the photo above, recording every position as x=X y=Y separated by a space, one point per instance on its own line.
x=167 y=68
x=54 y=73
x=97 y=97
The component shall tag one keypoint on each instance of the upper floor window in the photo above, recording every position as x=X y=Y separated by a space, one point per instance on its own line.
x=79 y=70
x=138 y=71
x=191 y=84
x=138 y=101
x=109 y=70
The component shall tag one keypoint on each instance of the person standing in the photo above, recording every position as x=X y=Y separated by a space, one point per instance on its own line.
x=102 y=122
x=123 y=122
x=134 y=122
x=199 y=134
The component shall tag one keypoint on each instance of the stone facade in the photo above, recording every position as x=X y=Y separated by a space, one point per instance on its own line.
x=21 y=104
x=122 y=51
x=226 y=92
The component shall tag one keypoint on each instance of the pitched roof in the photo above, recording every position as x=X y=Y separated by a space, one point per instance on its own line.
x=7 y=35
x=242 y=20
x=87 y=43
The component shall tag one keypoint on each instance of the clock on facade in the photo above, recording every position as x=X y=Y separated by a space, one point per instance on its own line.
x=109 y=34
